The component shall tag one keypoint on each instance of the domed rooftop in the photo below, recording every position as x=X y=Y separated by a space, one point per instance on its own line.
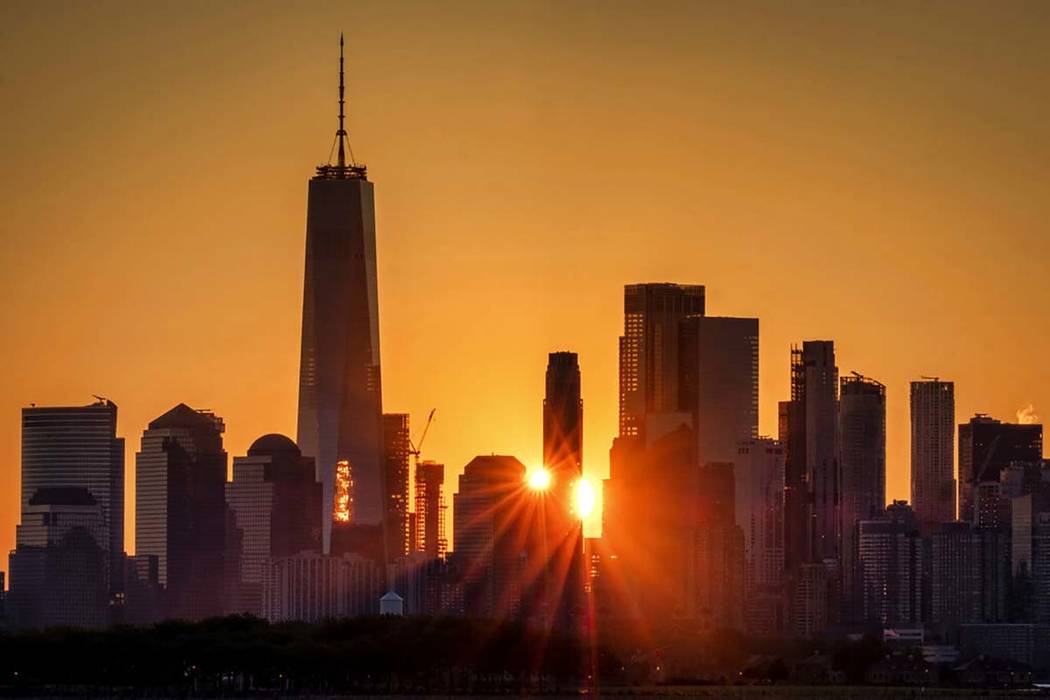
x=273 y=444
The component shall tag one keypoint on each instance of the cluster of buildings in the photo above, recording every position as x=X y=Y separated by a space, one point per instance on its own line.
x=706 y=524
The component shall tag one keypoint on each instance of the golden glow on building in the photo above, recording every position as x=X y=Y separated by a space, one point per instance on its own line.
x=344 y=486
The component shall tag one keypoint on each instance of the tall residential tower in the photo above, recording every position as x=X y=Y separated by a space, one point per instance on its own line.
x=933 y=450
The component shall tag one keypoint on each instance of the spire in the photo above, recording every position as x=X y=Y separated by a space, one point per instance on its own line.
x=345 y=166
x=341 y=134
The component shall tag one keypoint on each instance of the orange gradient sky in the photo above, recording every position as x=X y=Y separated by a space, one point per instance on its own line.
x=873 y=173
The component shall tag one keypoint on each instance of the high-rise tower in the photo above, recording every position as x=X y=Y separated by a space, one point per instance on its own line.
x=718 y=383
x=340 y=404
x=649 y=350
x=933 y=450
x=77 y=446
x=563 y=423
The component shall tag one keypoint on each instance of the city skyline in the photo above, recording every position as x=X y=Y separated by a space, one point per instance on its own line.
x=504 y=419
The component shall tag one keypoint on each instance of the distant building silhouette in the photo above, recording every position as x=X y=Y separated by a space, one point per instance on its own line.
x=649 y=369
x=396 y=450
x=59 y=570
x=430 y=509
x=760 y=514
x=933 y=451
x=718 y=383
x=1030 y=555
x=716 y=591
x=77 y=446
x=986 y=447
x=889 y=557
x=970 y=575
x=563 y=602
x=862 y=435
x=180 y=475
x=312 y=587
x=563 y=425
x=276 y=504
x=339 y=376
x=809 y=432
x=491 y=529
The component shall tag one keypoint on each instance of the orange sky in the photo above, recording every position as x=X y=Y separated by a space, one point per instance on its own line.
x=874 y=173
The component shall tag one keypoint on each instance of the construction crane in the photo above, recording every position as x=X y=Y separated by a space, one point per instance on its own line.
x=416 y=447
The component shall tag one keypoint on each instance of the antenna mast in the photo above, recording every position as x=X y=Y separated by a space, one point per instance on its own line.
x=341 y=134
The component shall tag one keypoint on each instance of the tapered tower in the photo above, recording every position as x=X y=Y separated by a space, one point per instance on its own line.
x=340 y=405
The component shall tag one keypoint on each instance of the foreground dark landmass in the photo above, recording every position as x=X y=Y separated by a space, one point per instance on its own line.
x=416 y=656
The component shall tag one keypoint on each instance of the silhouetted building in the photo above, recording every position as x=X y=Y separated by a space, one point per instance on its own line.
x=970 y=575
x=312 y=587
x=59 y=570
x=649 y=365
x=933 y=451
x=986 y=447
x=77 y=446
x=430 y=509
x=144 y=596
x=180 y=476
x=760 y=514
x=339 y=377
x=276 y=502
x=716 y=593
x=1030 y=556
x=396 y=449
x=889 y=558
x=862 y=436
x=809 y=432
x=563 y=457
x=563 y=425
x=491 y=520
x=649 y=522
x=718 y=386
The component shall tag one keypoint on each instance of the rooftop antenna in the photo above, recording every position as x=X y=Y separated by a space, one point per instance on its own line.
x=341 y=134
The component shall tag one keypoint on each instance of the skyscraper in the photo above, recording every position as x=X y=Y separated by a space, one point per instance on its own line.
x=340 y=403
x=77 y=446
x=490 y=528
x=760 y=515
x=933 y=451
x=716 y=591
x=718 y=361
x=59 y=568
x=430 y=509
x=563 y=424
x=890 y=555
x=180 y=476
x=862 y=432
x=276 y=504
x=986 y=447
x=809 y=430
x=396 y=449
x=649 y=349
